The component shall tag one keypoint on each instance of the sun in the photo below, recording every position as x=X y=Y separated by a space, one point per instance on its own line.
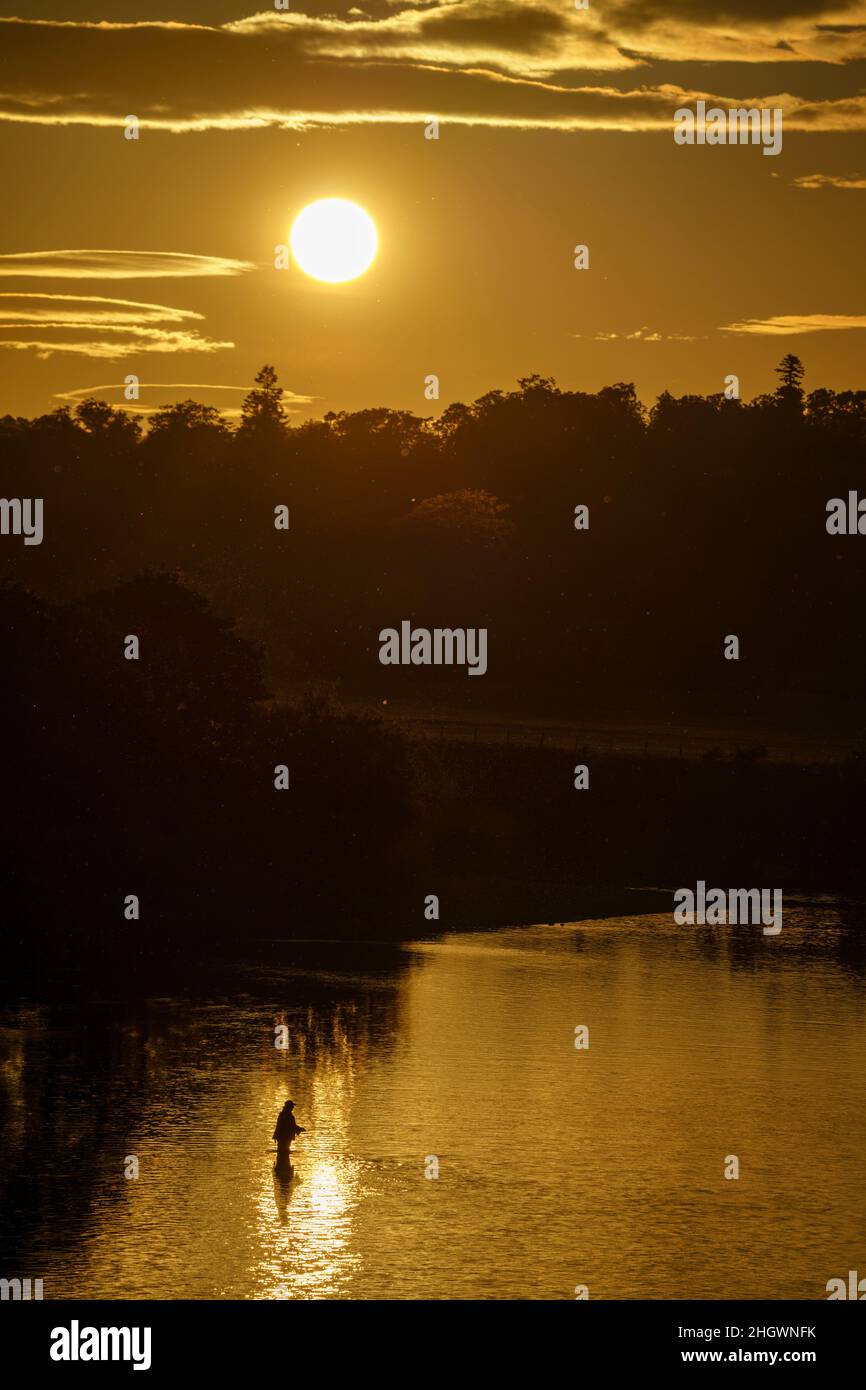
x=334 y=240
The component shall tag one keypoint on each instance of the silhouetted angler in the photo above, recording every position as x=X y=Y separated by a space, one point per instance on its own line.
x=287 y=1128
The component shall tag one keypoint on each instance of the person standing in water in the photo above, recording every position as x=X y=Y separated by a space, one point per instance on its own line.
x=287 y=1128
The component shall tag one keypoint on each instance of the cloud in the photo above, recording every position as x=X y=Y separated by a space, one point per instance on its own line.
x=524 y=37
x=139 y=341
x=751 y=31
x=643 y=335
x=829 y=181
x=543 y=37
x=292 y=400
x=475 y=62
x=78 y=310
x=785 y=324
x=123 y=326
x=117 y=265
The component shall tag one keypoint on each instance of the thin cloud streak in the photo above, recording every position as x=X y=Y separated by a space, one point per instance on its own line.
x=641 y=335
x=80 y=393
x=534 y=106
x=121 y=326
x=784 y=324
x=139 y=341
x=87 y=264
x=92 y=310
x=817 y=181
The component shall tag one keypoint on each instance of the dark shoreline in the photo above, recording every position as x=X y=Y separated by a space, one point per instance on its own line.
x=470 y=903
x=467 y=905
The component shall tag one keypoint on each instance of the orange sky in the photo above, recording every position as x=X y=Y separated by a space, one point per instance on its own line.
x=556 y=128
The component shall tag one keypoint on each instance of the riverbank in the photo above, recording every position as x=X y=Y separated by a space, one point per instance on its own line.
x=470 y=902
x=199 y=854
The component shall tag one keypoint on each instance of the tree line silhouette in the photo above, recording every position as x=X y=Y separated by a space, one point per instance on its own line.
x=706 y=516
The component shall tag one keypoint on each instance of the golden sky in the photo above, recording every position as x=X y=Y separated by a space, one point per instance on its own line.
x=156 y=256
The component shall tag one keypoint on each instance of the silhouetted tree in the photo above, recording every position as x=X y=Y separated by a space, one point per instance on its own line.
x=177 y=423
x=263 y=409
x=789 y=392
x=116 y=427
x=790 y=372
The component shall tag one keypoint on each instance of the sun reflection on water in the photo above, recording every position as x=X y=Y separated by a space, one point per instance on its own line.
x=305 y=1208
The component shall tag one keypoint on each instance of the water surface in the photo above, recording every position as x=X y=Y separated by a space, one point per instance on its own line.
x=557 y=1167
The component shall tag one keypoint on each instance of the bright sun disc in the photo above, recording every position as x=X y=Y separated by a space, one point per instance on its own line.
x=334 y=240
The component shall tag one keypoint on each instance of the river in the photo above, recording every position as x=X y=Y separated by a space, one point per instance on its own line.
x=558 y=1166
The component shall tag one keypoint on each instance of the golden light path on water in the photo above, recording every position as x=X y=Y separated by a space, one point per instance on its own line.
x=311 y=1254
x=556 y=1166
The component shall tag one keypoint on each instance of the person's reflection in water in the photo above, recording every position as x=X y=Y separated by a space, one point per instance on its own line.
x=284 y=1176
